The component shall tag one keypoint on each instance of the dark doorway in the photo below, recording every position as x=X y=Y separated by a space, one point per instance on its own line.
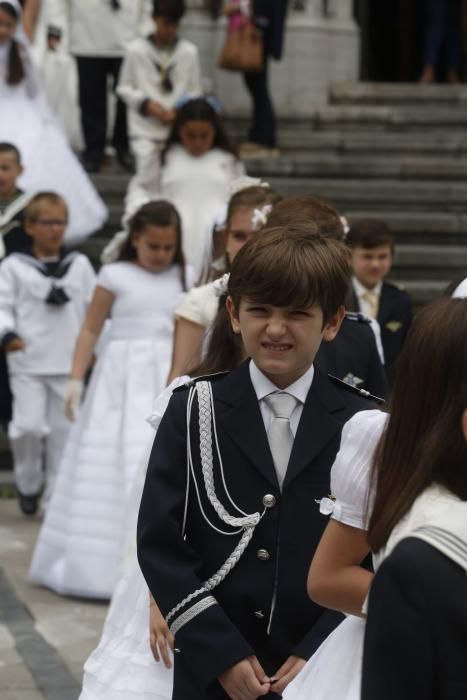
x=391 y=39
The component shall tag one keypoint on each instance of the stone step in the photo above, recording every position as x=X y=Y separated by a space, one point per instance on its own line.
x=424 y=96
x=430 y=262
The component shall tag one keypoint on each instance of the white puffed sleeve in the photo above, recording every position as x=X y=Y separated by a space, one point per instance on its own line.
x=162 y=401
x=351 y=471
x=199 y=305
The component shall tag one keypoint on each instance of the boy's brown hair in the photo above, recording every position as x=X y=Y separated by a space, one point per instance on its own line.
x=32 y=210
x=305 y=209
x=370 y=233
x=292 y=266
x=6 y=147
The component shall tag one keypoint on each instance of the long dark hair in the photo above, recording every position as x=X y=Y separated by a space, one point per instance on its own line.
x=198 y=110
x=225 y=348
x=15 y=64
x=158 y=213
x=423 y=442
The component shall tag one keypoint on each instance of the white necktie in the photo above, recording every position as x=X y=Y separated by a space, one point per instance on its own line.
x=280 y=435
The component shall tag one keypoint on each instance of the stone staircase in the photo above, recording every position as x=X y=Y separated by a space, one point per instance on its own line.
x=394 y=151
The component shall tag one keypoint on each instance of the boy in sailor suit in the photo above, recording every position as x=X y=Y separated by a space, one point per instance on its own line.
x=229 y=521
x=43 y=297
x=158 y=71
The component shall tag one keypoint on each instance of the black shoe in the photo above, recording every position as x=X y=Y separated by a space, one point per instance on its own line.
x=91 y=163
x=126 y=160
x=28 y=504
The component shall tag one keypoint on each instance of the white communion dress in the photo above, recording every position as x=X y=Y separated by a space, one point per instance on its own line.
x=82 y=537
x=123 y=667
x=27 y=121
x=334 y=670
x=199 y=187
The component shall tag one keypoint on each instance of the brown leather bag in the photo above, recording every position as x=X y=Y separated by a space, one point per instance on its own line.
x=243 y=50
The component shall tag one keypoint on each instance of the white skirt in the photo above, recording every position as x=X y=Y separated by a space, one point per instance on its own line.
x=334 y=671
x=83 y=535
x=122 y=666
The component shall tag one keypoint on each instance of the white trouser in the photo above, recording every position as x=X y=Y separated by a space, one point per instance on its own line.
x=38 y=423
x=145 y=184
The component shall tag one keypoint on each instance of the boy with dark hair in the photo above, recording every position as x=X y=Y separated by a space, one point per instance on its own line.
x=228 y=524
x=372 y=245
x=12 y=201
x=158 y=71
x=355 y=355
x=43 y=297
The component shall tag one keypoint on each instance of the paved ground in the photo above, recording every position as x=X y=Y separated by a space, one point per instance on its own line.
x=44 y=638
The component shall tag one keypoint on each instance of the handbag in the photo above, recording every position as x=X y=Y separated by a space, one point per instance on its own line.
x=243 y=50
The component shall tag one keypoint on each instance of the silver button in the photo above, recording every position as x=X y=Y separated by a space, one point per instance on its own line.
x=262 y=554
x=259 y=614
x=177 y=650
x=269 y=501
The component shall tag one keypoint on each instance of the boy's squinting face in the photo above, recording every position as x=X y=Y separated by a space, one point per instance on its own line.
x=48 y=229
x=371 y=265
x=282 y=341
x=166 y=31
x=10 y=170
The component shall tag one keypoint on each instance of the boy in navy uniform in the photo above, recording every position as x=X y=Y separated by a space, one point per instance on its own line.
x=229 y=519
x=372 y=246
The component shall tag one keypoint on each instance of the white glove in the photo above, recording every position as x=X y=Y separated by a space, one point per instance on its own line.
x=73 y=394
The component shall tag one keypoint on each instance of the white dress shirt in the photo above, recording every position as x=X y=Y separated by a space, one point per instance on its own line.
x=263 y=387
x=460 y=291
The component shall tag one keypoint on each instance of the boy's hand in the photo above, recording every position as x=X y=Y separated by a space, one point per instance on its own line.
x=15 y=345
x=160 y=637
x=246 y=680
x=286 y=674
x=157 y=111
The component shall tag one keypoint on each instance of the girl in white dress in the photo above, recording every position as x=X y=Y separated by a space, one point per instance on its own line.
x=247 y=211
x=123 y=665
x=199 y=165
x=80 y=542
x=421 y=399
x=27 y=121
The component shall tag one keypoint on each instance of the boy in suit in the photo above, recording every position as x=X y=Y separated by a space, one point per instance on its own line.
x=237 y=605
x=372 y=246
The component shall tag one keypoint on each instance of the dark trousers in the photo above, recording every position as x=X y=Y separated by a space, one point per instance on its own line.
x=443 y=29
x=93 y=72
x=263 y=127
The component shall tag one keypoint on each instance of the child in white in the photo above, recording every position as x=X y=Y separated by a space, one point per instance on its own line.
x=157 y=72
x=27 y=121
x=43 y=299
x=79 y=545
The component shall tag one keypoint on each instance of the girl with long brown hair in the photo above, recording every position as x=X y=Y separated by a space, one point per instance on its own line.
x=416 y=635
x=421 y=446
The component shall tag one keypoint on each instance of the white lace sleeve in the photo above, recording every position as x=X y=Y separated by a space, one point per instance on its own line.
x=350 y=473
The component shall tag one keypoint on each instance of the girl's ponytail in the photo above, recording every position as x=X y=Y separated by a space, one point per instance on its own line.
x=15 y=65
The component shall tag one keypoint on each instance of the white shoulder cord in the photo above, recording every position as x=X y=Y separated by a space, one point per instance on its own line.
x=245 y=524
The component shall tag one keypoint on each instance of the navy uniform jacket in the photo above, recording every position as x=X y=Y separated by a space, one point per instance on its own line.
x=353 y=356
x=395 y=318
x=275 y=563
x=416 y=631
